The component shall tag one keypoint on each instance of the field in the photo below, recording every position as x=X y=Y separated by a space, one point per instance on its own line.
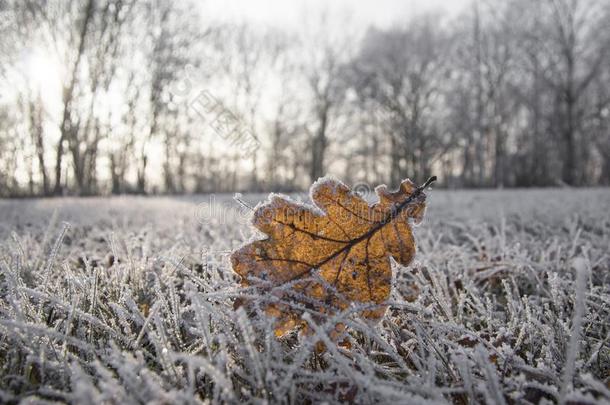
x=130 y=300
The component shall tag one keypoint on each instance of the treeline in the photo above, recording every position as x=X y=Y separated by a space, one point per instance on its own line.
x=149 y=96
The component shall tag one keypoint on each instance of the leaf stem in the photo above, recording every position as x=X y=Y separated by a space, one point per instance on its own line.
x=428 y=182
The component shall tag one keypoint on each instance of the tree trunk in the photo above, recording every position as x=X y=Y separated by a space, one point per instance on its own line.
x=36 y=128
x=569 y=165
x=141 y=180
x=318 y=147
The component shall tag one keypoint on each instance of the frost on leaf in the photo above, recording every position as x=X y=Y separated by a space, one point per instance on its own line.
x=321 y=259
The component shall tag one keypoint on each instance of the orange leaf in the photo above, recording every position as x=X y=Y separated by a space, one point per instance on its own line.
x=323 y=258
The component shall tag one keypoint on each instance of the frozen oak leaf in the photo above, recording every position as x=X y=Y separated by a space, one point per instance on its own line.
x=321 y=259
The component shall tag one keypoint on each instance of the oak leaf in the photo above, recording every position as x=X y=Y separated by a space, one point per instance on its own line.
x=322 y=258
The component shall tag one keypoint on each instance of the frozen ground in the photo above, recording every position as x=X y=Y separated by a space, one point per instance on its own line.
x=130 y=300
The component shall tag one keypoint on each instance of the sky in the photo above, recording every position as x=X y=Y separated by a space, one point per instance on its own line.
x=289 y=14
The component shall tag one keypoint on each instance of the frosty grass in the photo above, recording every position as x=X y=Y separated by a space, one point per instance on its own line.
x=130 y=300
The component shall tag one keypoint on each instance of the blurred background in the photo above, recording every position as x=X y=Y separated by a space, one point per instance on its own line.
x=102 y=97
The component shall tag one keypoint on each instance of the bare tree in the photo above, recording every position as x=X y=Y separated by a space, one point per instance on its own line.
x=402 y=70
x=68 y=128
x=479 y=95
x=326 y=59
x=574 y=45
x=172 y=37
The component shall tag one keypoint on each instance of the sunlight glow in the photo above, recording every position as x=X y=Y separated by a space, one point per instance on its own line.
x=43 y=73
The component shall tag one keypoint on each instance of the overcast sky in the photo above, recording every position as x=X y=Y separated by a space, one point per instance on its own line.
x=292 y=14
